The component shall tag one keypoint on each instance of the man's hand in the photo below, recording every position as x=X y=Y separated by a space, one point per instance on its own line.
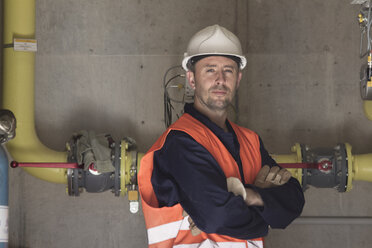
x=193 y=228
x=251 y=197
x=271 y=177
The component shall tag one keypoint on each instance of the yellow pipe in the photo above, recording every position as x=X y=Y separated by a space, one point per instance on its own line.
x=127 y=160
x=18 y=92
x=350 y=167
x=359 y=166
x=362 y=170
x=367 y=106
x=295 y=157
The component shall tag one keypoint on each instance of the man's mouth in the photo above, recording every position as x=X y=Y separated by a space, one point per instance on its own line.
x=219 y=92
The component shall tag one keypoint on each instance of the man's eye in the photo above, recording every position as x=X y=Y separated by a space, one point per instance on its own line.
x=210 y=70
x=228 y=71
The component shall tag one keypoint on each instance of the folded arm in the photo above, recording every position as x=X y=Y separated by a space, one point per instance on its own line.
x=186 y=173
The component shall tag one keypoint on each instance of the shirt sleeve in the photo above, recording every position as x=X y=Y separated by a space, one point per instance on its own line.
x=265 y=156
x=186 y=173
x=282 y=204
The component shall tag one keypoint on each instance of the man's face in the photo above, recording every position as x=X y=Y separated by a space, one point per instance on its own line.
x=215 y=81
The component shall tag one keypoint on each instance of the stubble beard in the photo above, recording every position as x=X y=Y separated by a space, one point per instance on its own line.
x=217 y=105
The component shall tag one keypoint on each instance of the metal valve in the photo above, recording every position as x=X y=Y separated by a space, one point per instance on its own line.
x=365 y=80
x=122 y=180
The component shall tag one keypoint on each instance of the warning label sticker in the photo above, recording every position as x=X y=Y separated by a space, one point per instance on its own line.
x=26 y=45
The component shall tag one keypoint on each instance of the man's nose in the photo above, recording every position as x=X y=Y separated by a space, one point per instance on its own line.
x=221 y=77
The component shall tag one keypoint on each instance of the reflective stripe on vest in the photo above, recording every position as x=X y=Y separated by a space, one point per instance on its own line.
x=166 y=226
x=167 y=231
x=211 y=244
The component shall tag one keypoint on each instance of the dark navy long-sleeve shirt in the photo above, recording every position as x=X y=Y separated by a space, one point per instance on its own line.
x=178 y=177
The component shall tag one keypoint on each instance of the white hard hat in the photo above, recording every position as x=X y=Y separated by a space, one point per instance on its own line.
x=214 y=40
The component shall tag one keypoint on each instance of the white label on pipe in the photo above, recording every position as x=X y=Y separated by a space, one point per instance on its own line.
x=27 y=45
x=4 y=224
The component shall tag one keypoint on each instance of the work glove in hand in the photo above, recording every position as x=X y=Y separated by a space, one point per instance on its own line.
x=271 y=177
x=235 y=186
x=250 y=196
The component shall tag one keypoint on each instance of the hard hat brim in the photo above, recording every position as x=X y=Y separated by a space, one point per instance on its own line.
x=186 y=59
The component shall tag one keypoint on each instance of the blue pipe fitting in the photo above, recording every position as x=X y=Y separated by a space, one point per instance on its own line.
x=4 y=233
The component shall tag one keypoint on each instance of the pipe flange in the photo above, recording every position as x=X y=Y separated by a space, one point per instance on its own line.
x=117 y=169
x=70 y=189
x=342 y=173
x=306 y=158
x=365 y=83
x=75 y=180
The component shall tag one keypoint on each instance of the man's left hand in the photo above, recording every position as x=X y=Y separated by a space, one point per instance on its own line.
x=271 y=177
x=193 y=228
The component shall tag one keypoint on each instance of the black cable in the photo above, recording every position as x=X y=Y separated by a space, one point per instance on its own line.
x=168 y=108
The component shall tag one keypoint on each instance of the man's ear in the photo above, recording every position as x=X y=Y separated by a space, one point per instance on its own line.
x=191 y=79
x=238 y=80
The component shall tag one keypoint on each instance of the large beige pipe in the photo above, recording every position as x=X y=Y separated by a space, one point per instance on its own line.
x=18 y=92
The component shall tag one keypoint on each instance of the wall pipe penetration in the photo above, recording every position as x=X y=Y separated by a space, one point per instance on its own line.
x=18 y=96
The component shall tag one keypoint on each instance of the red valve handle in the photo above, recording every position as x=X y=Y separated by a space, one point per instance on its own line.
x=323 y=166
x=15 y=164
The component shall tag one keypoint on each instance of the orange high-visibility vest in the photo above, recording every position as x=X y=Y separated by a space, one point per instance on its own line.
x=166 y=227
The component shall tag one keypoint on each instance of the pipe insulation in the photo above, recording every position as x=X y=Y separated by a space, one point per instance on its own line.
x=18 y=92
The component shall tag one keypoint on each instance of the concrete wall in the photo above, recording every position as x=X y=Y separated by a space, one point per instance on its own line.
x=100 y=66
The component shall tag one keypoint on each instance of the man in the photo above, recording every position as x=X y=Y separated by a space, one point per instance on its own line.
x=207 y=182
